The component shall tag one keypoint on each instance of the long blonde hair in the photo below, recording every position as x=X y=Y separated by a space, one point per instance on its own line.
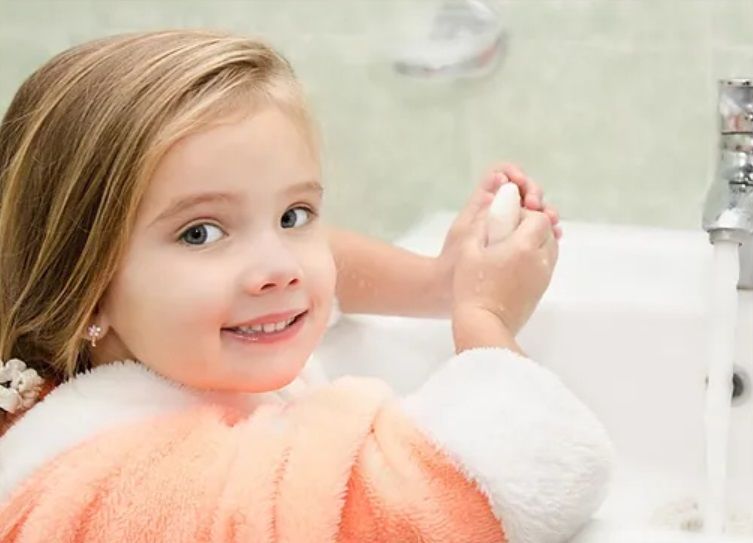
x=78 y=145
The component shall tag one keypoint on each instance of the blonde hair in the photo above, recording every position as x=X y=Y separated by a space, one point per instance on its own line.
x=78 y=145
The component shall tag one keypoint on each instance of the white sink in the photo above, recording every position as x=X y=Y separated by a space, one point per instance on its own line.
x=624 y=325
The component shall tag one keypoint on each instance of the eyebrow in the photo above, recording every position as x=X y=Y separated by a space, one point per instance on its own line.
x=305 y=186
x=194 y=200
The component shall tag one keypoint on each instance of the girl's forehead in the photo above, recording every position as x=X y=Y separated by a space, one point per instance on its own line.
x=263 y=150
x=263 y=140
x=260 y=137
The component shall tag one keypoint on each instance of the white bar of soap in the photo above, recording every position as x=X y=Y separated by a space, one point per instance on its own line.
x=504 y=213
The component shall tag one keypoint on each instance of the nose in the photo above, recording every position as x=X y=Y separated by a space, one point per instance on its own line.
x=273 y=267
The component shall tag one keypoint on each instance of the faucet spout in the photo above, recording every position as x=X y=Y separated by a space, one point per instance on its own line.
x=728 y=210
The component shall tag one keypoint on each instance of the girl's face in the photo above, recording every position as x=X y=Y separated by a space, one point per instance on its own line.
x=228 y=279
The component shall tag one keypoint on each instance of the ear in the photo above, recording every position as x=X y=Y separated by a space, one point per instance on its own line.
x=99 y=318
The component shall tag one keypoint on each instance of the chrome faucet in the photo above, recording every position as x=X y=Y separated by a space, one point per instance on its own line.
x=728 y=211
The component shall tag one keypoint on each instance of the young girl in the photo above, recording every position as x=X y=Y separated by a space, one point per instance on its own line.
x=164 y=269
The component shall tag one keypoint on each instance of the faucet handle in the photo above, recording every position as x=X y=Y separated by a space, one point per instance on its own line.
x=736 y=106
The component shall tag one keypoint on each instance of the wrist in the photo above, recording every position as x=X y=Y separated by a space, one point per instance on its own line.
x=474 y=327
x=440 y=286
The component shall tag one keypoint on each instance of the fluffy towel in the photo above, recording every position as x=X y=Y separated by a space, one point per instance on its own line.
x=128 y=456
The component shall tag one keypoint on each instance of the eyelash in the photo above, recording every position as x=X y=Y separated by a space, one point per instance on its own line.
x=314 y=214
x=310 y=210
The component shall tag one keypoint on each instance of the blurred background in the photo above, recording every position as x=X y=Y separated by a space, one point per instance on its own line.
x=608 y=104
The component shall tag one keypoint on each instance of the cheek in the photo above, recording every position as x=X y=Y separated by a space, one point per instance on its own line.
x=158 y=307
x=319 y=267
x=324 y=277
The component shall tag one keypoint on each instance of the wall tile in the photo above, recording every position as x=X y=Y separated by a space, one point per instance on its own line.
x=610 y=104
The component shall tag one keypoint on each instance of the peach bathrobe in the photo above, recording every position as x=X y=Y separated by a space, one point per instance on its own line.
x=491 y=448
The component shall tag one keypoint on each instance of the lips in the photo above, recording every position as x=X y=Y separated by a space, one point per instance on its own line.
x=267 y=330
x=271 y=318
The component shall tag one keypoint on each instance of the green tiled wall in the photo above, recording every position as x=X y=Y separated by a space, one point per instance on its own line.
x=609 y=104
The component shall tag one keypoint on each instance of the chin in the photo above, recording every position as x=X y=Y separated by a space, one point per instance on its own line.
x=274 y=380
x=284 y=381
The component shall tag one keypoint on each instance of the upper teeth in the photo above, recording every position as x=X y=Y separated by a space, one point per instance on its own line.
x=267 y=327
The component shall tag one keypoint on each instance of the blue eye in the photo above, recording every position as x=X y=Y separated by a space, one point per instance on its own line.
x=201 y=234
x=296 y=217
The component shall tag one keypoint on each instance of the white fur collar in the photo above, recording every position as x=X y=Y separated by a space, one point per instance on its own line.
x=107 y=396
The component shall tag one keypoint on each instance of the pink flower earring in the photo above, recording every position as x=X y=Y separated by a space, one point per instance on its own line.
x=94 y=332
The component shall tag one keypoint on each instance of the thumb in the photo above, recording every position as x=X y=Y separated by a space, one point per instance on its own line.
x=535 y=227
x=490 y=185
x=480 y=223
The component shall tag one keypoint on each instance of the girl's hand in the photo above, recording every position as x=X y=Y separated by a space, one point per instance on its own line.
x=532 y=199
x=504 y=279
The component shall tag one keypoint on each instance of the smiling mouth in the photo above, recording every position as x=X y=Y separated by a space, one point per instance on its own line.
x=267 y=329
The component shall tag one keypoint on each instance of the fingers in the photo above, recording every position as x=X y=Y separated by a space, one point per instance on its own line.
x=554 y=216
x=479 y=227
x=488 y=187
x=532 y=195
x=535 y=230
x=551 y=250
x=542 y=238
x=493 y=180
